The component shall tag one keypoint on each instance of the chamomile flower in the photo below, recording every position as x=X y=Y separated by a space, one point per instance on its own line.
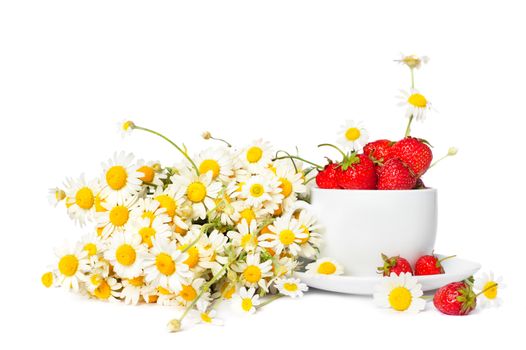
x=483 y=283
x=71 y=266
x=245 y=238
x=261 y=190
x=353 y=135
x=55 y=196
x=167 y=268
x=224 y=208
x=285 y=235
x=308 y=224
x=324 y=266
x=291 y=287
x=246 y=301
x=200 y=191
x=133 y=289
x=285 y=266
x=401 y=293
x=93 y=245
x=116 y=218
x=253 y=271
x=108 y=290
x=48 y=279
x=127 y=254
x=417 y=104
x=125 y=127
x=244 y=211
x=256 y=156
x=291 y=181
x=412 y=61
x=207 y=316
x=148 y=230
x=172 y=203
x=120 y=178
x=217 y=161
x=211 y=256
x=151 y=172
x=80 y=199
x=189 y=292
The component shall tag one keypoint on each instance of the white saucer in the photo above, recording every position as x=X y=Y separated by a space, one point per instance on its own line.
x=455 y=270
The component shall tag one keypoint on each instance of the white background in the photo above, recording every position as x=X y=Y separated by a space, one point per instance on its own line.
x=288 y=71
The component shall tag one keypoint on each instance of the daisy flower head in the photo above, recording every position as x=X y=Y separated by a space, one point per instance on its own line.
x=309 y=225
x=244 y=211
x=55 y=196
x=167 y=268
x=489 y=285
x=224 y=209
x=149 y=230
x=133 y=289
x=412 y=61
x=324 y=266
x=217 y=161
x=245 y=238
x=151 y=173
x=125 y=127
x=199 y=191
x=108 y=290
x=262 y=191
x=150 y=209
x=120 y=178
x=401 y=293
x=285 y=235
x=207 y=316
x=171 y=201
x=126 y=254
x=80 y=199
x=353 y=135
x=116 y=218
x=291 y=287
x=71 y=266
x=256 y=156
x=48 y=279
x=211 y=256
x=291 y=180
x=418 y=106
x=189 y=292
x=246 y=301
x=253 y=271
x=93 y=245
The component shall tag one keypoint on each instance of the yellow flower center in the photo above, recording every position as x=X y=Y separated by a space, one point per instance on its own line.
x=400 y=298
x=205 y=317
x=257 y=190
x=125 y=255
x=68 y=265
x=491 y=292
x=148 y=172
x=417 y=100
x=193 y=255
x=163 y=291
x=167 y=203
x=188 y=293
x=127 y=124
x=254 y=154
x=286 y=187
x=252 y=274
x=85 y=198
x=59 y=195
x=91 y=248
x=209 y=165
x=326 y=268
x=248 y=239
x=95 y=279
x=290 y=287
x=247 y=214
x=47 y=279
x=196 y=192
x=307 y=232
x=287 y=237
x=119 y=215
x=165 y=264
x=136 y=281
x=352 y=134
x=103 y=291
x=246 y=304
x=98 y=206
x=147 y=233
x=116 y=177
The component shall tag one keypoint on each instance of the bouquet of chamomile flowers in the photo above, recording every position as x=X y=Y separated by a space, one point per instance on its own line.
x=220 y=225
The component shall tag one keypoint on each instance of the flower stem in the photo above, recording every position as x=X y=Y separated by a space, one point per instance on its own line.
x=221 y=140
x=408 y=129
x=269 y=300
x=172 y=143
x=494 y=285
x=201 y=233
x=412 y=78
x=299 y=158
x=336 y=148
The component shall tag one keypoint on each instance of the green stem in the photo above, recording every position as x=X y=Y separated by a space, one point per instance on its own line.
x=336 y=148
x=494 y=285
x=268 y=301
x=438 y=160
x=412 y=78
x=173 y=144
x=291 y=159
x=408 y=129
x=299 y=158
x=194 y=242
x=221 y=140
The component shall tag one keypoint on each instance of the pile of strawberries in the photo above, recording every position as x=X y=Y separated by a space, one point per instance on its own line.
x=383 y=165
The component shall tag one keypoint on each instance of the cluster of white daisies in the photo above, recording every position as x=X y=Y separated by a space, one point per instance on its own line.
x=220 y=225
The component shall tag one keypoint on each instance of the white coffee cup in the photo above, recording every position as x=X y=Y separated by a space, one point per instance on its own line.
x=360 y=225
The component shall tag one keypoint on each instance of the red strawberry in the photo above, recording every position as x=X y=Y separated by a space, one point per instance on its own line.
x=429 y=265
x=394 y=264
x=414 y=153
x=379 y=150
x=394 y=175
x=358 y=173
x=456 y=298
x=327 y=177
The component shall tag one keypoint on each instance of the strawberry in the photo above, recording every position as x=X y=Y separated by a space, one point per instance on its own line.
x=357 y=173
x=395 y=264
x=379 y=150
x=327 y=177
x=414 y=153
x=456 y=298
x=394 y=175
x=429 y=265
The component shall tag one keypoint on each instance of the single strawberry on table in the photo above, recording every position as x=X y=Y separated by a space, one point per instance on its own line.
x=395 y=264
x=414 y=153
x=326 y=178
x=430 y=265
x=394 y=175
x=456 y=298
x=357 y=173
